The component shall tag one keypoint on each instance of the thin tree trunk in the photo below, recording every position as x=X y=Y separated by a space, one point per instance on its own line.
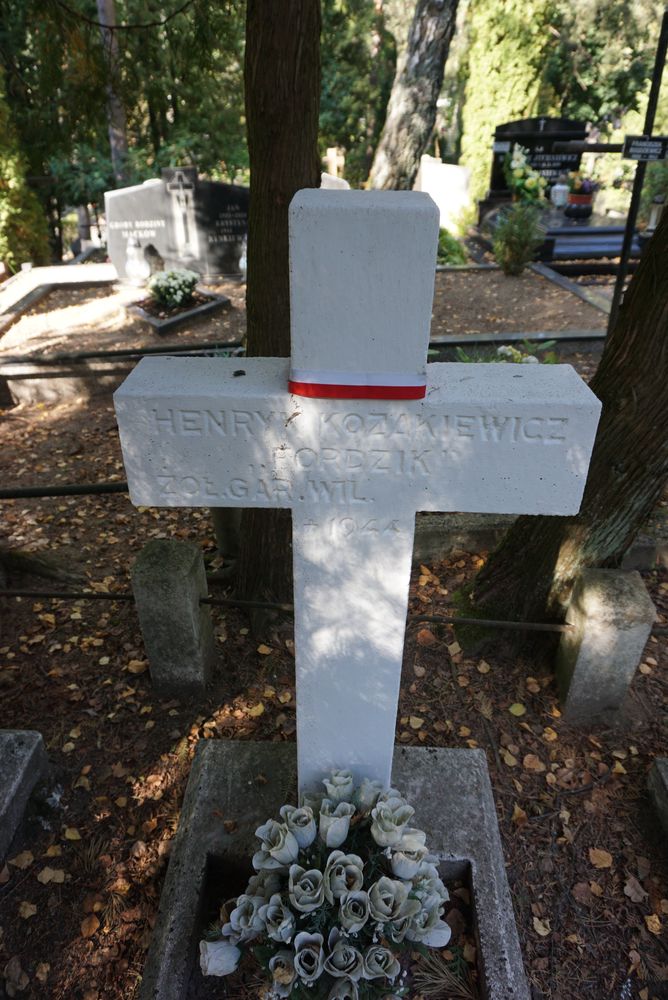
x=118 y=138
x=411 y=111
x=282 y=71
x=531 y=573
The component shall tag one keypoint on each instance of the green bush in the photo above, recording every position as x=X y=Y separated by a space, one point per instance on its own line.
x=450 y=250
x=173 y=288
x=517 y=235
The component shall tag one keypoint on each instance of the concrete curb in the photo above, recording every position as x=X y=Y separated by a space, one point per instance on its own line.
x=247 y=782
x=657 y=784
x=591 y=298
x=23 y=763
x=216 y=303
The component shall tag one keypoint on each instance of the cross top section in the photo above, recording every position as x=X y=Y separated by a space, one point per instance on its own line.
x=360 y=303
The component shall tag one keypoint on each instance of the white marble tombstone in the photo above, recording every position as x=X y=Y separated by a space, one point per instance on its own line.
x=355 y=433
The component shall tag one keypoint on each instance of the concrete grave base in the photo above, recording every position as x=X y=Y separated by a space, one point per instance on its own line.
x=23 y=763
x=215 y=304
x=657 y=783
x=248 y=782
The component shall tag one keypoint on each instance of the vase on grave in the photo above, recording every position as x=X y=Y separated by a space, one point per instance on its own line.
x=579 y=206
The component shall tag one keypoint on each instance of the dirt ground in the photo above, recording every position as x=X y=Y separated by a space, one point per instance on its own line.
x=78 y=897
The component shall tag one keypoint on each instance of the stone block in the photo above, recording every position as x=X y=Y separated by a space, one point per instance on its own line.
x=168 y=580
x=612 y=615
x=23 y=763
x=450 y=790
x=657 y=783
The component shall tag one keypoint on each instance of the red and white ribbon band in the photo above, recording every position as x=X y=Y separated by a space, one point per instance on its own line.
x=356 y=385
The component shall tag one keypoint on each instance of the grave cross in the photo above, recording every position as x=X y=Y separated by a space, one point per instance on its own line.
x=355 y=435
x=182 y=192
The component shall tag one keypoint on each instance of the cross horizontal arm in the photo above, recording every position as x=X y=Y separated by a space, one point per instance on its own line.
x=487 y=438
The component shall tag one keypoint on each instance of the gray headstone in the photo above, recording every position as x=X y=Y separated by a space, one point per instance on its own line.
x=168 y=580
x=23 y=763
x=612 y=615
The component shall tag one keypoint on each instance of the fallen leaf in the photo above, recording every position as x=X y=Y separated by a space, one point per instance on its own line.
x=137 y=666
x=68 y=747
x=27 y=909
x=22 y=860
x=264 y=650
x=634 y=890
x=653 y=923
x=54 y=851
x=582 y=893
x=256 y=710
x=483 y=667
x=42 y=972
x=618 y=768
x=519 y=816
x=508 y=758
x=532 y=685
x=419 y=670
x=517 y=709
x=284 y=697
x=600 y=858
x=416 y=722
x=56 y=875
x=4 y=875
x=89 y=925
x=425 y=637
x=596 y=889
x=71 y=833
x=454 y=648
x=533 y=763
x=541 y=927
x=550 y=734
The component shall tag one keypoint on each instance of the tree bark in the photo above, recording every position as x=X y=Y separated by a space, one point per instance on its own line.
x=530 y=575
x=282 y=73
x=118 y=138
x=411 y=111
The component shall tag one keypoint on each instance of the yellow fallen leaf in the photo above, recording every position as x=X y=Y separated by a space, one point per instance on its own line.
x=68 y=747
x=54 y=851
x=618 y=768
x=71 y=833
x=269 y=691
x=600 y=858
x=550 y=734
x=121 y=801
x=519 y=816
x=264 y=650
x=509 y=759
x=256 y=710
x=75 y=733
x=47 y=875
x=483 y=667
x=42 y=972
x=454 y=648
x=137 y=666
x=22 y=860
x=517 y=709
x=415 y=722
x=533 y=763
x=653 y=923
x=595 y=889
x=284 y=697
x=532 y=685
x=541 y=927
x=27 y=910
x=89 y=925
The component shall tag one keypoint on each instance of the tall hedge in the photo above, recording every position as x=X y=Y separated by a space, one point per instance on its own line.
x=23 y=227
x=508 y=50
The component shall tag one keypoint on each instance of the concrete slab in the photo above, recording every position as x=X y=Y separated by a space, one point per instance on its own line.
x=23 y=763
x=657 y=783
x=247 y=782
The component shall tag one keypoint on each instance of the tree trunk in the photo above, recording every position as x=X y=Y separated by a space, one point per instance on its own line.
x=282 y=72
x=411 y=111
x=531 y=573
x=118 y=138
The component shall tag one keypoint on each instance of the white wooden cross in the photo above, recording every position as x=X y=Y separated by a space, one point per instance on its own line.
x=368 y=435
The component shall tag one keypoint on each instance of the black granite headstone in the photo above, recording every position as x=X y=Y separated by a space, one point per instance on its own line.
x=537 y=136
x=179 y=220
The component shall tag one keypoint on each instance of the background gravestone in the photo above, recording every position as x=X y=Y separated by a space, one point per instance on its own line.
x=178 y=221
x=537 y=136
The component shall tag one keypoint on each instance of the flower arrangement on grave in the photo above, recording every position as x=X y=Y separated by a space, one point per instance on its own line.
x=173 y=288
x=344 y=891
x=581 y=190
x=580 y=184
x=525 y=183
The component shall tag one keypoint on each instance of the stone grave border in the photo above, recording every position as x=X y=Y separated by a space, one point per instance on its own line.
x=246 y=782
x=23 y=764
x=161 y=326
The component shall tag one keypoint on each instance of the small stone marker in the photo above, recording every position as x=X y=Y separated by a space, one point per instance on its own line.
x=23 y=763
x=368 y=435
x=612 y=615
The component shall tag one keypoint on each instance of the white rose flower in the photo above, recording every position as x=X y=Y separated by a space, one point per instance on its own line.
x=282 y=968
x=309 y=957
x=335 y=822
x=388 y=900
x=427 y=928
x=339 y=787
x=245 y=922
x=343 y=960
x=279 y=846
x=307 y=889
x=300 y=823
x=354 y=911
x=389 y=821
x=380 y=962
x=343 y=873
x=405 y=864
x=218 y=958
x=344 y=989
x=266 y=883
x=367 y=794
x=278 y=919
x=530 y=359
